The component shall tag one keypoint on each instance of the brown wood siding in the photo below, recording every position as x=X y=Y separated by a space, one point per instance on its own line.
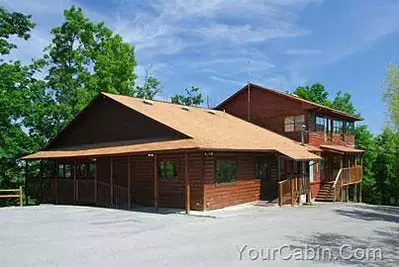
x=246 y=188
x=107 y=121
x=142 y=175
x=267 y=110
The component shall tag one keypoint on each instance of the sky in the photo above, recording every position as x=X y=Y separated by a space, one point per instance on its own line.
x=220 y=45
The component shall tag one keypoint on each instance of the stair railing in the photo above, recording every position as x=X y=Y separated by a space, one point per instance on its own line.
x=337 y=179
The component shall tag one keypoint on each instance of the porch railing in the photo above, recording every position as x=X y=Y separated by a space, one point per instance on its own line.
x=291 y=189
x=346 y=177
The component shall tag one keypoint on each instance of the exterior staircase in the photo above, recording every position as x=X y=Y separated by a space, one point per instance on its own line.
x=326 y=192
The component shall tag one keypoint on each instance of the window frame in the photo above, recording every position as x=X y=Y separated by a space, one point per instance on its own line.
x=324 y=125
x=338 y=129
x=350 y=127
x=162 y=171
x=295 y=123
x=234 y=180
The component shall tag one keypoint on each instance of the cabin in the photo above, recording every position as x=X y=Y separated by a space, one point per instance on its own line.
x=124 y=152
x=327 y=132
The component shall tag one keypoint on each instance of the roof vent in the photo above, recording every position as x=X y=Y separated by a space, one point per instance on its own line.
x=212 y=112
x=294 y=94
x=148 y=102
x=185 y=108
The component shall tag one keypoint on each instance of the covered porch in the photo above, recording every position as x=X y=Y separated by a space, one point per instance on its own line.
x=340 y=172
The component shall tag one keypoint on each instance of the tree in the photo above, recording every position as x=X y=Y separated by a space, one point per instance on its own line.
x=84 y=59
x=16 y=84
x=364 y=140
x=150 y=88
x=391 y=95
x=13 y=24
x=191 y=97
x=343 y=102
x=385 y=167
x=316 y=93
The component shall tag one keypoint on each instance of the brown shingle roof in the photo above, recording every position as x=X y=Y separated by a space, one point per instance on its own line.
x=116 y=148
x=344 y=149
x=208 y=129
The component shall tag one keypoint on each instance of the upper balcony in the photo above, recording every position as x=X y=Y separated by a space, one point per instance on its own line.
x=324 y=129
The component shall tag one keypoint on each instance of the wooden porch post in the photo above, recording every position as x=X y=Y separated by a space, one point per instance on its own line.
x=74 y=181
x=41 y=180
x=347 y=193
x=155 y=181
x=95 y=182
x=360 y=192
x=292 y=183
x=129 y=184
x=26 y=181
x=56 y=180
x=111 y=182
x=187 y=183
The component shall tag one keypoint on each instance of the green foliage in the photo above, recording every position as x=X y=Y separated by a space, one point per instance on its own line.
x=391 y=95
x=364 y=140
x=16 y=85
x=191 y=97
x=316 y=93
x=343 y=102
x=150 y=88
x=385 y=167
x=84 y=59
x=13 y=24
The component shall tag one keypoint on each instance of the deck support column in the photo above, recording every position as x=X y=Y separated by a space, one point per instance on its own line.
x=347 y=193
x=360 y=192
x=355 y=194
x=111 y=182
x=74 y=181
x=187 y=184
x=155 y=181
x=129 y=184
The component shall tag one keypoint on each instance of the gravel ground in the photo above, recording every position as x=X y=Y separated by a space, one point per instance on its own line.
x=244 y=235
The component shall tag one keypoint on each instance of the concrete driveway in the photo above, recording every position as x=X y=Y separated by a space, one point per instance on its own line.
x=245 y=235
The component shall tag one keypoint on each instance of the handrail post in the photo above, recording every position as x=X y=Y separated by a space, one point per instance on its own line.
x=20 y=196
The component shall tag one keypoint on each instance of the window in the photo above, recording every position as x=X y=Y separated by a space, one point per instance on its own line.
x=64 y=171
x=82 y=170
x=167 y=169
x=92 y=170
x=226 y=171
x=262 y=170
x=338 y=126
x=294 y=123
x=48 y=168
x=321 y=124
x=350 y=127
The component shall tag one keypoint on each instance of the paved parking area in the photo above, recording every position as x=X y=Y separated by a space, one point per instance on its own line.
x=83 y=236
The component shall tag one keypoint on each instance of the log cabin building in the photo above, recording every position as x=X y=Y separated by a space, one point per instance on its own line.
x=327 y=132
x=124 y=152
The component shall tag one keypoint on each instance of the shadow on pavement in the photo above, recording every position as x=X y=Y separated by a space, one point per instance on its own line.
x=371 y=213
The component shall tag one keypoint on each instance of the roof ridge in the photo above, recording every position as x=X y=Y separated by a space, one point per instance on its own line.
x=163 y=102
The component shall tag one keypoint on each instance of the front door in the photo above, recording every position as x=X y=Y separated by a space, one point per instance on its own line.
x=266 y=171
